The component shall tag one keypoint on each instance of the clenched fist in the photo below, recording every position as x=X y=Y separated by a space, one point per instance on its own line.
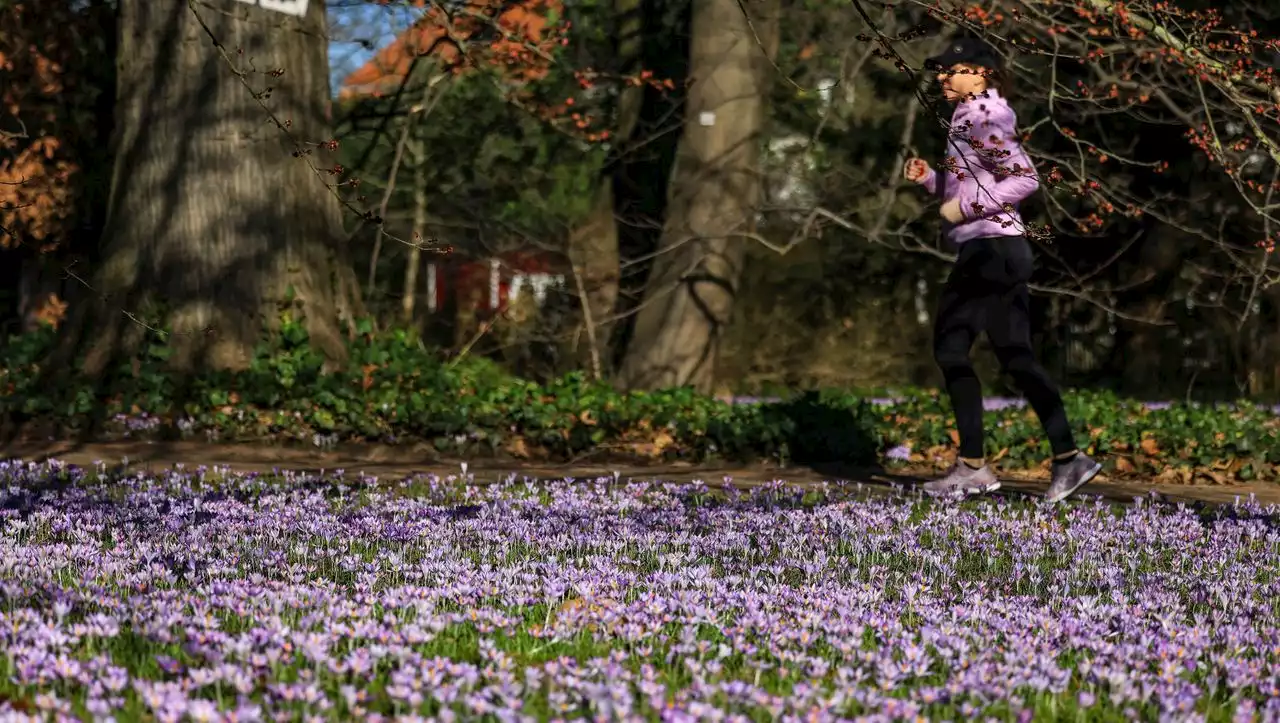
x=915 y=170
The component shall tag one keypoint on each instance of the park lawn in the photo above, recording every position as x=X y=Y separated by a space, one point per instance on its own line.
x=205 y=595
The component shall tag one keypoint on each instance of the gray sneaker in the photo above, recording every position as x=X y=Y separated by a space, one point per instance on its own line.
x=1071 y=476
x=963 y=480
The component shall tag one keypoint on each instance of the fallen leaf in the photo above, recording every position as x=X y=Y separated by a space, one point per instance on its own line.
x=575 y=605
x=20 y=705
x=1214 y=477
x=518 y=447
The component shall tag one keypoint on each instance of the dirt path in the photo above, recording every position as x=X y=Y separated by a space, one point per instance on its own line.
x=386 y=462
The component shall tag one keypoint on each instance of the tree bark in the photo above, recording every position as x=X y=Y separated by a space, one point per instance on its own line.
x=593 y=245
x=213 y=214
x=715 y=190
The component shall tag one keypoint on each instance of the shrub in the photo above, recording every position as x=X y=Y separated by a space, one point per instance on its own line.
x=394 y=390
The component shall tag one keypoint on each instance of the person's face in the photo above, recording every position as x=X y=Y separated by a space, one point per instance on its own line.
x=961 y=81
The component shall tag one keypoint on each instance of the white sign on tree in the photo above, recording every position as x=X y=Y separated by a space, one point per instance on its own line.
x=296 y=8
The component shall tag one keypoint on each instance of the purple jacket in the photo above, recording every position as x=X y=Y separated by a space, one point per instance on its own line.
x=985 y=168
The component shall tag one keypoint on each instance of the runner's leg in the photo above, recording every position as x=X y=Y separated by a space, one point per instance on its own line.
x=1009 y=328
x=958 y=323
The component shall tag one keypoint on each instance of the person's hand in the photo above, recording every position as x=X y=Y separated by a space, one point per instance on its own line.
x=951 y=211
x=915 y=170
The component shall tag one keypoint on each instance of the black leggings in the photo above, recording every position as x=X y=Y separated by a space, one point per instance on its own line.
x=987 y=291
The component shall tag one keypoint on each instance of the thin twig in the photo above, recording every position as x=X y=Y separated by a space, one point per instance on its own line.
x=475 y=339
x=410 y=121
x=588 y=322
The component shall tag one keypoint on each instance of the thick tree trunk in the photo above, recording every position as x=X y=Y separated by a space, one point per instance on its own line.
x=714 y=195
x=213 y=215
x=593 y=246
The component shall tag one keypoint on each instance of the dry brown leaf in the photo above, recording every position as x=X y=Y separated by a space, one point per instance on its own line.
x=518 y=447
x=578 y=604
x=1213 y=477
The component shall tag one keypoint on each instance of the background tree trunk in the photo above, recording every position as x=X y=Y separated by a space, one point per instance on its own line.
x=714 y=196
x=211 y=216
x=408 y=301
x=594 y=245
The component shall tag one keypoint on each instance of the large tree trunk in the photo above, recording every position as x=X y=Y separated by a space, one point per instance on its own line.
x=593 y=246
x=213 y=214
x=714 y=196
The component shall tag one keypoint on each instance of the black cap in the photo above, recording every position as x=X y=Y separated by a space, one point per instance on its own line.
x=965 y=49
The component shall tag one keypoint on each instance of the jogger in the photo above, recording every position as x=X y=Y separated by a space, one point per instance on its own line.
x=987 y=175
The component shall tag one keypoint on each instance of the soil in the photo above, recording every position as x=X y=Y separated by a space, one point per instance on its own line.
x=395 y=463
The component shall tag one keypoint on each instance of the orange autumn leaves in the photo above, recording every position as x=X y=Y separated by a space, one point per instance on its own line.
x=518 y=41
x=37 y=200
x=35 y=192
x=50 y=311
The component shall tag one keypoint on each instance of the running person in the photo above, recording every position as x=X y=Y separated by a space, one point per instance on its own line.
x=985 y=175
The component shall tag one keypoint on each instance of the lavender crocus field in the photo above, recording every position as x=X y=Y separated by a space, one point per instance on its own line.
x=203 y=595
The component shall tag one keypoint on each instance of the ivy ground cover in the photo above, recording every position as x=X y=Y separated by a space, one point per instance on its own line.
x=395 y=391
x=202 y=595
